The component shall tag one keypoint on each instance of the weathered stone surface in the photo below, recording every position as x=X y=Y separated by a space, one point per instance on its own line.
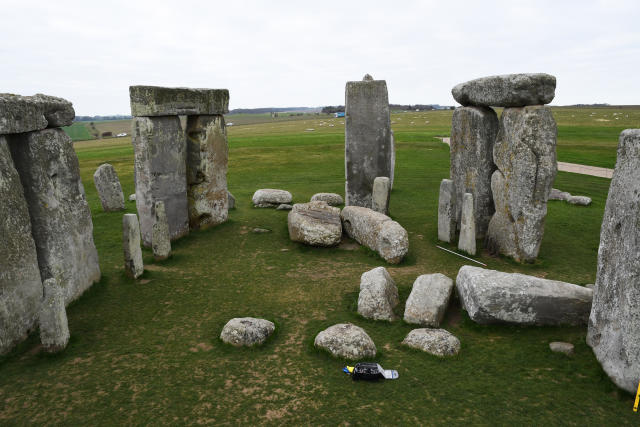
x=270 y=198
x=381 y=194
x=562 y=347
x=133 y=264
x=231 y=201
x=614 y=323
x=428 y=300
x=376 y=231
x=284 y=207
x=579 y=200
x=467 y=239
x=447 y=212
x=368 y=140
x=473 y=135
x=347 y=341
x=160 y=167
x=259 y=230
x=247 y=331
x=160 y=240
x=491 y=296
x=207 y=156
x=20 y=284
x=315 y=224
x=332 y=199
x=567 y=197
x=54 y=327
x=378 y=295
x=525 y=153
x=559 y=195
x=132 y=197
x=61 y=222
x=507 y=90
x=20 y=114
x=433 y=341
x=174 y=101
x=107 y=183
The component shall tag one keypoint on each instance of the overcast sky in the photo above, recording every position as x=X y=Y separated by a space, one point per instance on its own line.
x=298 y=53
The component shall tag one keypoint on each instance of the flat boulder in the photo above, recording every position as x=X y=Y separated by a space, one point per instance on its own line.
x=428 y=300
x=347 y=341
x=315 y=224
x=107 y=183
x=378 y=295
x=174 y=101
x=491 y=296
x=507 y=90
x=270 y=198
x=437 y=342
x=247 y=331
x=332 y=199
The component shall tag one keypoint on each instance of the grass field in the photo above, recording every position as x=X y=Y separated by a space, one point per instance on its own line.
x=147 y=351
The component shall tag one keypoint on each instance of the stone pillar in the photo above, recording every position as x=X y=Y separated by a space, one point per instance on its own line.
x=614 y=332
x=447 y=212
x=133 y=265
x=368 y=139
x=467 y=240
x=54 y=326
x=380 y=196
x=161 y=243
x=109 y=189
x=207 y=154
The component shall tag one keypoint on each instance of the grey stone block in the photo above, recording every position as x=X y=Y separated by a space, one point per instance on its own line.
x=378 y=295
x=332 y=199
x=54 y=326
x=447 y=212
x=173 y=101
x=381 y=195
x=467 y=239
x=437 y=342
x=347 y=341
x=315 y=224
x=19 y=114
x=133 y=265
x=508 y=90
x=270 y=198
x=160 y=240
x=247 y=331
x=428 y=300
x=107 y=183
x=231 y=201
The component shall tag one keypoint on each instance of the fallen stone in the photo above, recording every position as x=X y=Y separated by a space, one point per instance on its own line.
x=347 y=341
x=270 y=198
x=160 y=240
x=54 y=327
x=447 y=212
x=579 y=200
x=231 y=201
x=467 y=240
x=614 y=333
x=508 y=90
x=567 y=197
x=428 y=300
x=20 y=114
x=562 y=347
x=107 y=183
x=132 y=197
x=437 y=342
x=315 y=224
x=284 y=207
x=380 y=195
x=332 y=199
x=133 y=264
x=491 y=296
x=378 y=295
x=175 y=101
x=376 y=231
x=590 y=285
x=259 y=230
x=247 y=331
x=559 y=195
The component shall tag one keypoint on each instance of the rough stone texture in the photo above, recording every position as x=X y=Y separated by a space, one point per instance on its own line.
x=376 y=231
x=614 y=323
x=332 y=199
x=433 y=341
x=428 y=300
x=556 y=194
x=20 y=284
x=61 y=222
x=347 y=341
x=467 y=239
x=567 y=197
x=54 y=327
x=231 y=201
x=579 y=200
x=284 y=207
x=160 y=168
x=315 y=224
x=247 y=331
x=561 y=347
x=270 y=198
x=507 y=90
x=174 y=101
x=381 y=194
x=19 y=114
x=447 y=212
x=368 y=140
x=473 y=135
x=491 y=296
x=160 y=240
x=107 y=183
x=378 y=295
x=133 y=264
x=525 y=153
x=207 y=156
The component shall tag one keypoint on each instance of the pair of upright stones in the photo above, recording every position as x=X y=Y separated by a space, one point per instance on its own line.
x=45 y=221
x=507 y=165
x=185 y=169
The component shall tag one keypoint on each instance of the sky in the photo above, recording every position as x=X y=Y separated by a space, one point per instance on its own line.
x=299 y=53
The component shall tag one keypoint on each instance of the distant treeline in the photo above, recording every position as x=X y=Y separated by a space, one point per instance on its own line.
x=408 y=107
x=274 y=110
x=100 y=118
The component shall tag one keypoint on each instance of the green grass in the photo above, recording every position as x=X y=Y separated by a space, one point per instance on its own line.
x=78 y=131
x=147 y=351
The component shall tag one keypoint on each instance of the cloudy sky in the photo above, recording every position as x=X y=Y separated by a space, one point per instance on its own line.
x=298 y=53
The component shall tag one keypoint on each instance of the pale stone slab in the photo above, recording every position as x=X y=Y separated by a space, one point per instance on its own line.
x=447 y=212
x=247 y=331
x=437 y=342
x=332 y=199
x=315 y=224
x=467 y=239
x=378 y=295
x=271 y=198
x=133 y=265
x=107 y=183
x=160 y=240
x=428 y=300
x=347 y=341
x=562 y=347
x=381 y=194
x=507 y=90
x=174 y=101
x=54 y=326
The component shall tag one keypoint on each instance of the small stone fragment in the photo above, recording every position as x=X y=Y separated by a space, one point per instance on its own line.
x=347 y=341
x=381 y=194
x=315 y=224
x=259 y=230
x=562 y=347
x=508 y=90
x=132 y=197
x=378 y=295
x=54 y=327
x=579 y=200
x=107 y=183
x=428 y=300
x=160 y=240
x=437 y=342
x=270 y=198
x=332 y=199
x=284 y=207
x=246 y=331
x=447 y=212
x=467 y=240
x=133 y=265
x=232 y=200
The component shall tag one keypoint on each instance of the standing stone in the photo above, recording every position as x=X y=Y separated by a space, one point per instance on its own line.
x=368 y=140
x=107 y=183
x=614 y=323
x=54 y=327
x=133 y=265
x=160 y=163
x=160 y=240
x=447 y=212
x=378 y=295
x=380 y=196
x=473 y=134
x=525 y=153
x=207 y=153
x=60 y=217
x=507 y=90
x=467 y=240
x=231 y=201
x=428 y=300
x=315 y=224
x=20 y=284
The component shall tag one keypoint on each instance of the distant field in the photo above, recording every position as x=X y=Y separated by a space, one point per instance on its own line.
x=83 y=131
